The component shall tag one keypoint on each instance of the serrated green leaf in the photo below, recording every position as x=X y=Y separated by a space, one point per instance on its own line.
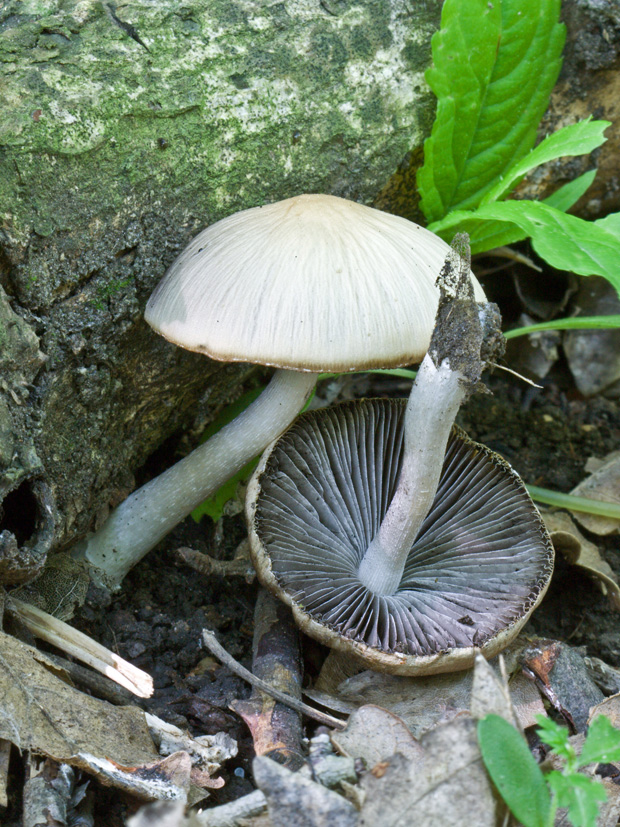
x=483 y=235
x=580 y=794
x=555 y=736
x=514 y=772
x=576 y=139
x=566 y=242
x=486 y=235
x=564 y=197
x=494 y=66
x=602 y=743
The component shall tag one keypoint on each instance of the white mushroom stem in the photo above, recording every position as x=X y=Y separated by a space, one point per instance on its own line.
x=148 y=514
x=433 y=405
x=467 y=335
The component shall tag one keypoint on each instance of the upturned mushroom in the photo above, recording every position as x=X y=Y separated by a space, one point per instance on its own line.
x=384 y=544
x=307 y=285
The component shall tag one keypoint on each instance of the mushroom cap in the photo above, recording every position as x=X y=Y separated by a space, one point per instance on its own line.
x=314 y=283
x=479 y=566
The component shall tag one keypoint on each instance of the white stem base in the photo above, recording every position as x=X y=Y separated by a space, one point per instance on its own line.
x=148 y=514
x=433 y=404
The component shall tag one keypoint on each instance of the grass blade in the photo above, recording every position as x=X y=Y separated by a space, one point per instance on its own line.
x=576 y=139
x=575 y=323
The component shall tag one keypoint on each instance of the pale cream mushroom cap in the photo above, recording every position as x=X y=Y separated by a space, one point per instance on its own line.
x=314 y=283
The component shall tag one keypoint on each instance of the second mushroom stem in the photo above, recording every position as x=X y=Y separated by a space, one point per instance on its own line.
x=466 y=336
x=148 y=514
x=433 y=405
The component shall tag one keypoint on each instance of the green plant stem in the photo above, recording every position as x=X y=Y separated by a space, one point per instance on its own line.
x=574 y=503
x=577 y=323
x=403 y=373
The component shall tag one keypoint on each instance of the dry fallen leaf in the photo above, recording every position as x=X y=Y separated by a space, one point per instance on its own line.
x=162 y=814
x=421 y=703
x=293 y=799
x=573 y=546
x=489 y=693
x=526 y=700
x=602 y=484
x=166 y=778
x=450 y=787
x=42 y=713
x=373 y=734
x=610 y=707
x=207 y=752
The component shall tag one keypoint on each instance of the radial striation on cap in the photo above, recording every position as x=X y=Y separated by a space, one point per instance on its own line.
x=313 y=283
x=481 y=562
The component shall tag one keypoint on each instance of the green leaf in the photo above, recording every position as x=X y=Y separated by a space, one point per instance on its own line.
x=564 y=197
x=602 y=743
x=572 y=323
x=564 y=241
x=486 y=235
x=580 y=794
x=483 y=234
x=576 y=139
x=555 y=736
x=494 y=66
x=514 y=772
x=611 y=223
x=214 y=505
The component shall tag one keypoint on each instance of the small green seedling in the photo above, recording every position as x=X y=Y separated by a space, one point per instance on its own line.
x=534 y=797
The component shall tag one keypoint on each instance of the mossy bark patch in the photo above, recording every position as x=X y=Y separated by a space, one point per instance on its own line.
x=227 y=102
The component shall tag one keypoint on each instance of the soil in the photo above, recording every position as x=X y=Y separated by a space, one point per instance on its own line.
x=155 y=621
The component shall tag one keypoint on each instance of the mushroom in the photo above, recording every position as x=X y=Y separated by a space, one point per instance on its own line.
x=455 y=567
x=311 y=284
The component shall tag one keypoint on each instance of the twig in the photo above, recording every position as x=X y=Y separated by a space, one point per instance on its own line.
x=275 y=727
x=234 y=813
x=240 y=566
x=210 y=641
x=99 y=685
x=65 y=637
